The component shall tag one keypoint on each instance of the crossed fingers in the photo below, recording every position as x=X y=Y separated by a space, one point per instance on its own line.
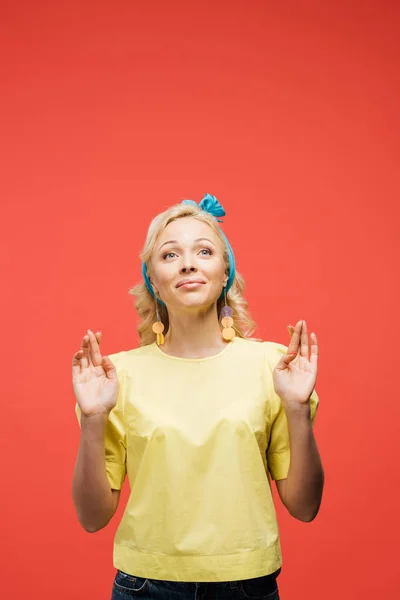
x=89 y=351
x=299 y=339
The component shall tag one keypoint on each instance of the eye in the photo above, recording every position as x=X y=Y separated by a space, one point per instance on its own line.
x=210 y=252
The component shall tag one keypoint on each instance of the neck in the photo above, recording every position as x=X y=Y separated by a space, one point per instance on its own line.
x=193 y=334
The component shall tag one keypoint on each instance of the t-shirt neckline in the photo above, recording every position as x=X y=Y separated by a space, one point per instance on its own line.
x=204 y=358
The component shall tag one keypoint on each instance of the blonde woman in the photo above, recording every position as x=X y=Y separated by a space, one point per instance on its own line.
x=200 y=417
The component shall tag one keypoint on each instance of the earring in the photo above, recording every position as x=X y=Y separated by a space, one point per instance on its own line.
x=228 y=333
x=158 y=328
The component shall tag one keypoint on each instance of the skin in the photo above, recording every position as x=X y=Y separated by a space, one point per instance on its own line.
x=294 y=381
x=86 y=361
x=194 y=330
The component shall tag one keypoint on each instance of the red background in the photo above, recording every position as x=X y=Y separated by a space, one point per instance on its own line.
x=288 y=113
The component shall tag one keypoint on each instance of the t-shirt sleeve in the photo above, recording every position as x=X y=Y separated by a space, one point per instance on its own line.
x=278 y=450
x=115 y=436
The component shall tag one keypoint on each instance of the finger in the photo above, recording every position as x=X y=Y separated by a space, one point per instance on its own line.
x=295 y=339
x=85 y=360
x=290 y=329
x=95 y=353
x=85 y=346
x=78 y=362
x=285 y=360
x=304 y=341
x=109 y=368
x=314 y=350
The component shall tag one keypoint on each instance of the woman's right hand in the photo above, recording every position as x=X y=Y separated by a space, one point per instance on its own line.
x=94 y=378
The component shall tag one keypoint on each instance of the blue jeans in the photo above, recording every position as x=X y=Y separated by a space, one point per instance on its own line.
x=260 y=588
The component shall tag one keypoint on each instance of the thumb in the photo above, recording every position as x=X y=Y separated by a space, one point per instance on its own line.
x=109 y=368
x=285 y=360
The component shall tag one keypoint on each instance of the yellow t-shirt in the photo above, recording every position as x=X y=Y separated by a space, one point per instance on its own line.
x=197 y=437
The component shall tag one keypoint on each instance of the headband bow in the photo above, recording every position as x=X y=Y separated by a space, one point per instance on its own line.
x=211 y=205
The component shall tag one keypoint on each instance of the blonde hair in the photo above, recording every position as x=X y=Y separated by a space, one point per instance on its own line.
x=146 y=303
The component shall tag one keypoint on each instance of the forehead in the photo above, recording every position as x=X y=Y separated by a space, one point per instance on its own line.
x=186 y=230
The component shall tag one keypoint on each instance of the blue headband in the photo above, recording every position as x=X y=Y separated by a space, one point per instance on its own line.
x=211 y=205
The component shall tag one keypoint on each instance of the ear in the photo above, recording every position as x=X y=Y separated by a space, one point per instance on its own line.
x=152 y=284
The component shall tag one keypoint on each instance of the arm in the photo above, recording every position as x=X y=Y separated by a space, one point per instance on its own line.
x=294 y=381
x=95 y=502
x=301 y=492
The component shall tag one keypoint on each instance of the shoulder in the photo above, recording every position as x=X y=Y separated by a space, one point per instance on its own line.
x=126 y=359
x=271 y=352
x=264 y=347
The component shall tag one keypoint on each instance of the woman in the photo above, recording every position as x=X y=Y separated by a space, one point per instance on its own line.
x=201 y=419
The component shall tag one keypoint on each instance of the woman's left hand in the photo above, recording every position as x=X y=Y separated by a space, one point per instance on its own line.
x=295 y=375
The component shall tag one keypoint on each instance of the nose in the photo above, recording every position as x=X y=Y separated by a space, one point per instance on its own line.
x=186 y=269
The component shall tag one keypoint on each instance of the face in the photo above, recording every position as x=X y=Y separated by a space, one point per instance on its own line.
x=188 y=249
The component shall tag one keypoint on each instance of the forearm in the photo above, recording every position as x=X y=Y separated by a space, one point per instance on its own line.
x=91 y=491
x=305 y=480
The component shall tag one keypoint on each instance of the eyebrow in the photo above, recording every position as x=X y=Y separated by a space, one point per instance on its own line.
x=176 y=242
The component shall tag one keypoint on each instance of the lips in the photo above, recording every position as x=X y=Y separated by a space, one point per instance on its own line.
x=180 y=283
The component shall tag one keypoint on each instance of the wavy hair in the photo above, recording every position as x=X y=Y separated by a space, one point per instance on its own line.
x=146 y=304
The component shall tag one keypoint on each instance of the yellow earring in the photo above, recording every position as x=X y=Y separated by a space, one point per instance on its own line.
x=158 y=328
x=228 y=332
